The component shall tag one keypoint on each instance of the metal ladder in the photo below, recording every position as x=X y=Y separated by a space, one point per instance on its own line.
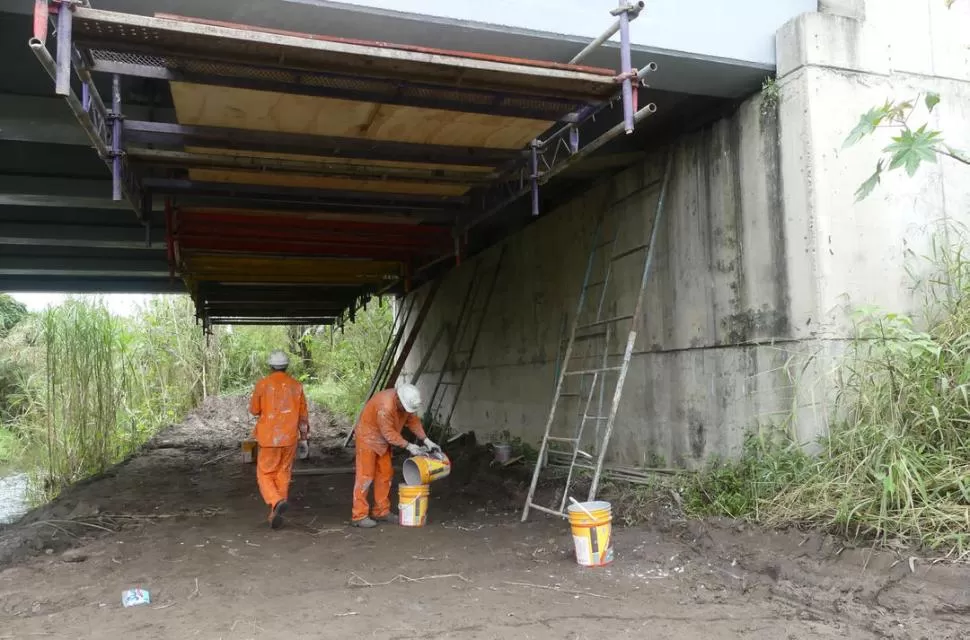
x=462 y=343
x=387 y=358
x=596 y=372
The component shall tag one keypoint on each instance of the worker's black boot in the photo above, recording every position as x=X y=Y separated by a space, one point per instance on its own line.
x=276 y=518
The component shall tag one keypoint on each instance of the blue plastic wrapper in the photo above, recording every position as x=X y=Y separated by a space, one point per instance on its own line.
x=135 y=597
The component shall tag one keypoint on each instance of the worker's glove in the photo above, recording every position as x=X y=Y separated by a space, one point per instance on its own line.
x=415 y=450
x=303 y=450
x=431 y=446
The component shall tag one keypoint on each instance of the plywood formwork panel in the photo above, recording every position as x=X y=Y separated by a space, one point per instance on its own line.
x=206 y=105
x=253 y=45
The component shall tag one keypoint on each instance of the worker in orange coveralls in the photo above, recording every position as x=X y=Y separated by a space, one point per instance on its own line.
x=283 y=426
x=381 y=421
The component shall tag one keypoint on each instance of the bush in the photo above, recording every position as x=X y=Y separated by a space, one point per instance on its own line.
x=895 y=466
x=346 y=360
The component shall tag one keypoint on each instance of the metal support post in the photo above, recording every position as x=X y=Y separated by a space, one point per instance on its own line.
x=626 y=67
x=41 y=18
x=116 y=177
x=62 y=81
x=535 y=177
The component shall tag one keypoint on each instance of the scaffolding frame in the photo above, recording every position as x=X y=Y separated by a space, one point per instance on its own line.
x=174 y=48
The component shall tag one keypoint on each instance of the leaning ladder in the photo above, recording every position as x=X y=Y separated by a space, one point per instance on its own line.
x=594 y=378
x=387 y=358
x=462 y=343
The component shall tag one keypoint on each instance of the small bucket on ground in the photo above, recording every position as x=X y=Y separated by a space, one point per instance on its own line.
x=412 y=505
x=426 y=469
x=249 y=448
x=503 y=452
x=593 y=536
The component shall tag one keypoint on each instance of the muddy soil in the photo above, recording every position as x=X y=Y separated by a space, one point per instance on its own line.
x=184 y=520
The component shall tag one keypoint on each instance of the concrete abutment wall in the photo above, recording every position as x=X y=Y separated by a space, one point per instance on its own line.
x=760 y=253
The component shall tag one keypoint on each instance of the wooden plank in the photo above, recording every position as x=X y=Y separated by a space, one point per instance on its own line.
x=204 y=105
x=322 y=471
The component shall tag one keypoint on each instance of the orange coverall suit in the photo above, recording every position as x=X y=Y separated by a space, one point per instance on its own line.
x=380 y=427
x=279 y=402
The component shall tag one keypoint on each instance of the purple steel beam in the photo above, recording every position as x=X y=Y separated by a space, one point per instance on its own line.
x=62 y=80
x=535 y=178
x=397 y=93
x=116 y=177
x=514 y=193
x=350 y=199
x=176 y=136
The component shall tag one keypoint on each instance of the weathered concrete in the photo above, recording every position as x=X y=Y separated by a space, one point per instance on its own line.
x=761 y=255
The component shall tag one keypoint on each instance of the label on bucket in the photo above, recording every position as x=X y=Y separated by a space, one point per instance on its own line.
x=594 y=545
x=413 y=512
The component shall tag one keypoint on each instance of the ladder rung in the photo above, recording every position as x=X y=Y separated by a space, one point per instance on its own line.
x=589 y=336
x=602 y=322
x=586 y=371
x=595 y=284
x=559 y=439
x=551 y=512
x=624 y=254
x=596 y=417
x=568 y=395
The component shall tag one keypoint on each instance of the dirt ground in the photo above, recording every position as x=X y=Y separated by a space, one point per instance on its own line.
x=184 y=521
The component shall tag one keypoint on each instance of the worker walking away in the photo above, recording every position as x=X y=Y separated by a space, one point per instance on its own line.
x=283 y=427
x=379 y=428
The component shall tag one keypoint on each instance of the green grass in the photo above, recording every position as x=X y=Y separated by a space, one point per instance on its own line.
x=11 y=448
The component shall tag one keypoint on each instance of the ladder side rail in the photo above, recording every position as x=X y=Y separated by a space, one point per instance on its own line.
x=631 y=339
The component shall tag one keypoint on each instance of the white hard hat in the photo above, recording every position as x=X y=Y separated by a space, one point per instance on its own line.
x=278 y=360
x=410 y=398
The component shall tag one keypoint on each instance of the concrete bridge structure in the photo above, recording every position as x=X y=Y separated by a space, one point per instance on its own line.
x=760 y=252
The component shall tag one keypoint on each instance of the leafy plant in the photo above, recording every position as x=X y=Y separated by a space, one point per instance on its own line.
x=910 y=148
x=770 y=95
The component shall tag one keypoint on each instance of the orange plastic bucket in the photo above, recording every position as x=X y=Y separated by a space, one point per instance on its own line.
x=592 y=536
x=426 y=469
x=412 y=505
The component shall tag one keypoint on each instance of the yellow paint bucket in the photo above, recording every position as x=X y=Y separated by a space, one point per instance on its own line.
x=426 y=469
x=593 y=536
x=249 y=448
x=412 y=505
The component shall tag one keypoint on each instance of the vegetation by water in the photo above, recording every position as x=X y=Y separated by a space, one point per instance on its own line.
x=80 y=389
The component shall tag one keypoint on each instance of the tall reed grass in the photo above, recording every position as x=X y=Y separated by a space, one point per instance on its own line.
x=895 y=466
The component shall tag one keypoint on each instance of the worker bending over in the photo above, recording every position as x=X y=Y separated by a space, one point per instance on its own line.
x=381 y=421
x=283 y=425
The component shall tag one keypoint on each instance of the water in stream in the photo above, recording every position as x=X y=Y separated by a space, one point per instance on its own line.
x=13 y=496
